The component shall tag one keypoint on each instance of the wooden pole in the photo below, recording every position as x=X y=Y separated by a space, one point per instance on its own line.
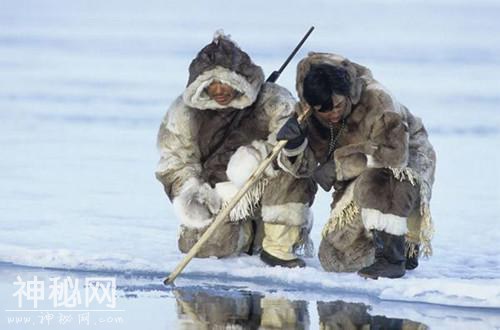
x=219 y=219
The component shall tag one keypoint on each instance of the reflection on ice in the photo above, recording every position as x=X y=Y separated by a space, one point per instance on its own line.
x=342 y=315
x=222 y=309
x=212 y=309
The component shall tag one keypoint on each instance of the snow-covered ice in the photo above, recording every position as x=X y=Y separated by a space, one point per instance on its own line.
x=84 y=85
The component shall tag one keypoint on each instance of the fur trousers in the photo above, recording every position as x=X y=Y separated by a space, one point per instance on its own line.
x=374 y=200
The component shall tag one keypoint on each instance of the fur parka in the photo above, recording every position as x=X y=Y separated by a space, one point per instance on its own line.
x=378 y=133
x=204 y=145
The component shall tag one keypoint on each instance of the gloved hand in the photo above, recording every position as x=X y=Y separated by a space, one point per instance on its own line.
x=208 y=197
x=197 y=204
x=325 y=175
x=293 y=132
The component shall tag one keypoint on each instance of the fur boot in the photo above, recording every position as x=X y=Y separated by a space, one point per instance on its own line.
x=389 y=256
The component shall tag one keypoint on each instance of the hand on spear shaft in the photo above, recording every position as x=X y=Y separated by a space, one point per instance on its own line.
x=221 y=217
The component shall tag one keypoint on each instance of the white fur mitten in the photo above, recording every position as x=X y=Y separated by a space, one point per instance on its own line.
x=244 y=162
x=197 y=204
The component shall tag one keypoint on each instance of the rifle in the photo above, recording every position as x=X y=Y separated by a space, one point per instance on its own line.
x=250 y=182
x=276 y=74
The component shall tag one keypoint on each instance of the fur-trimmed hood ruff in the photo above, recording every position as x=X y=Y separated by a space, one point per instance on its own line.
x=224 y=61
x=358 y=74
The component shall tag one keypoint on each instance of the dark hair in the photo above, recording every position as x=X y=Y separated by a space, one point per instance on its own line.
x=322 y=82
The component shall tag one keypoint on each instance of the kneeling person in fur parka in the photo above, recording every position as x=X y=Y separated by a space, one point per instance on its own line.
x=377 y=157
x=212 y=138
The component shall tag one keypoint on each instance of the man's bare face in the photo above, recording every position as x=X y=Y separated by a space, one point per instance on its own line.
x=340 y=105
x=221 y=93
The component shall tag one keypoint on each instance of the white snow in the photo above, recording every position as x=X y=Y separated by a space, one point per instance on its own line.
x=84 y=85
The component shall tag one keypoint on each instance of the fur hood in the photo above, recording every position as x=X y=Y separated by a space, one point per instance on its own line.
x=358 y=74
x=224 y=61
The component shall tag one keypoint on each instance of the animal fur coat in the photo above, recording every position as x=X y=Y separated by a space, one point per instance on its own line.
x=381 y=138
x=210 y=150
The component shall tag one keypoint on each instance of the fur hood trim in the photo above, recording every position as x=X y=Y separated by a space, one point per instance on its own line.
x=224 y=61
x=196 y=96
x=357 y=73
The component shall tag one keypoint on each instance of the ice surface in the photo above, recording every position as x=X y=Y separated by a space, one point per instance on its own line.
x=84 y=85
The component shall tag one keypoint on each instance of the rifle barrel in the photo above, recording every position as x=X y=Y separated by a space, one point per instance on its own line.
x=276 y=74
x=283 y=66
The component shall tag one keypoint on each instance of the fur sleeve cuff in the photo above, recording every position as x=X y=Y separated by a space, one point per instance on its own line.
x=296 y=151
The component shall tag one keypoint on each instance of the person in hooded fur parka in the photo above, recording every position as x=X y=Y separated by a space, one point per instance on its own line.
x=212 y=138
x=377 y=157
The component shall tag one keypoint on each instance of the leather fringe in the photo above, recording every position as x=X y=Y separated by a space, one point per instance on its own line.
x=426 y=225
x=249 y=202
x=346 y=216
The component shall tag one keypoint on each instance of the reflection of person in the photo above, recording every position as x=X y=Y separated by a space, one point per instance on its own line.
x=375 y=154
x=341 y=315
x=219 y=309
x=211 y=140
x=280 y=313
